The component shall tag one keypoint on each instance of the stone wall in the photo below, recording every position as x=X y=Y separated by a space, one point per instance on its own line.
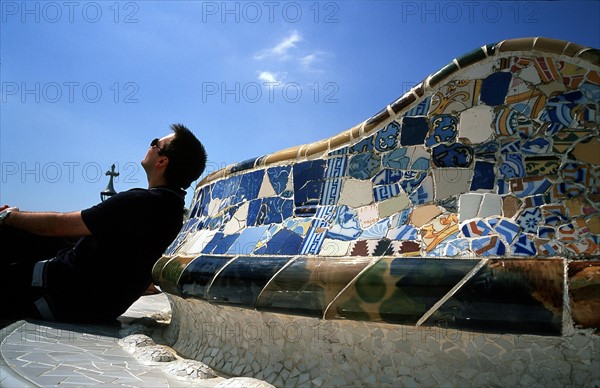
x=468 y=206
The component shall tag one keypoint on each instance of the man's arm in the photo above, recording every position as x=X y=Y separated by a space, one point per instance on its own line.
x=48 y=224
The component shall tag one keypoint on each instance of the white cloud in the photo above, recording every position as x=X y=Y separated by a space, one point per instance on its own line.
x=308 y=59
x=276 y=79
x=280 y=50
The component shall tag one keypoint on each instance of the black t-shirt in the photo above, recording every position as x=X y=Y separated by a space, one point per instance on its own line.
x=106 y=272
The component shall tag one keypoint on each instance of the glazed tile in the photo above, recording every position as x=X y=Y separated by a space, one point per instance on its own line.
x=356 y=193
x=451 y=181
x=476 y=124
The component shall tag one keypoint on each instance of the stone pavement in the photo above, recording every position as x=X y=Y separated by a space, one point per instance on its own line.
x=42 y=354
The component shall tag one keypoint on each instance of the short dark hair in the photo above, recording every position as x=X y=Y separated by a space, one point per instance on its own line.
x=187 y=157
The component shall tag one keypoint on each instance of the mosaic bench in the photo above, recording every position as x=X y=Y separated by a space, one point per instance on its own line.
x=452 y=238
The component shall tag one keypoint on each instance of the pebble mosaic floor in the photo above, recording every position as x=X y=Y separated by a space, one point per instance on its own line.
x=471 y=202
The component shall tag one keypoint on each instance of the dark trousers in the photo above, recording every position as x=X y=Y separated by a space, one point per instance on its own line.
x=19 y=251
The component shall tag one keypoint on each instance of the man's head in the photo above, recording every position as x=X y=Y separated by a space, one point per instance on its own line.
x=180 y=157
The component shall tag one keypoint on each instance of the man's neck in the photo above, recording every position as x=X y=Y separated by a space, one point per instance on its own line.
x=156 y=182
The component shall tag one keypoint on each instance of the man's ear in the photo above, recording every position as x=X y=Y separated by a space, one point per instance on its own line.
x=162 y=161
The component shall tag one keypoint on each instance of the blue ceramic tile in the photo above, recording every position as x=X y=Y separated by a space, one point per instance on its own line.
x=502 y=186
x=387 y=176
x=421 y=109
x=364 y=166
x=546 y=232
x=488 y=246
x=345 y=225
x=510 y=146
x=524 y=246
x=316 y=233
x=560 y=109
x=512 y=166
x=484 y=176
x=284 y=242
x=308 y=182
x=278 y=176
x=414 y=130
x=400 y=218
x=365 y=145
x=278 y=210
x=486 y=151
x=224 y=244
x=529 y=186
x=212 y=244
x=271 y=210
x=242 y=280
x=396 y=159
x=457 y=247
x=494 y=88
x=336 y=168
x=376 y=231
x=421 y=163
x=476 y=229
x=444 y=129
x=536 y=146
x=508 y=229
x=412 y=180
x=386 y=139
x=249 y=186
x=555 y=216
x=341 y=151
x=383 y=192
x=247 y=240
x=421 y=195
x=196 y=277
x=403 y=232
x=529 y=220
x=454 y=155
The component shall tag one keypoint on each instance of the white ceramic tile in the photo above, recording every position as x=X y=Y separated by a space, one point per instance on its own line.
x=356 y=193
x=476 y=123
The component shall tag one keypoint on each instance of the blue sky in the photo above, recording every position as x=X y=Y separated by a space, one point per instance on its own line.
x=86 y=84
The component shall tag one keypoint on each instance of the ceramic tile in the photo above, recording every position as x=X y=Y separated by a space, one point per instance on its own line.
x=527 y=297
x=484 y=176
x=414 y=130
x=468 y=205
x=356 y=193
x=583 y=280
x=423 y=214
x=386 y=138
x=196 y=278
x=309 y=284
x=494 y=88
x=444 y=129
x=451 y=181
x=240 y=282
x=454 y=155
x=417 y=285
x=456 y=96
x=476 y=124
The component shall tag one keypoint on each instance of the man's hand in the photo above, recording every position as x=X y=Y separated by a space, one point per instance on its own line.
x=47 y=224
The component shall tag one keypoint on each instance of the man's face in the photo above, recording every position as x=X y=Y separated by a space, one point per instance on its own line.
x=154 y=151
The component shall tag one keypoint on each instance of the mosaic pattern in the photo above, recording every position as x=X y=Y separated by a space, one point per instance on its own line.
x=460 y=205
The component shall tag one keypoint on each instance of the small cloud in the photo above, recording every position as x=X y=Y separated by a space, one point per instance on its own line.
x=272 y=78
x=281 y=49
x=308 y=60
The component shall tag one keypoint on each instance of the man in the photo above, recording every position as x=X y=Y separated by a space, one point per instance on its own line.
x=120 y=239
